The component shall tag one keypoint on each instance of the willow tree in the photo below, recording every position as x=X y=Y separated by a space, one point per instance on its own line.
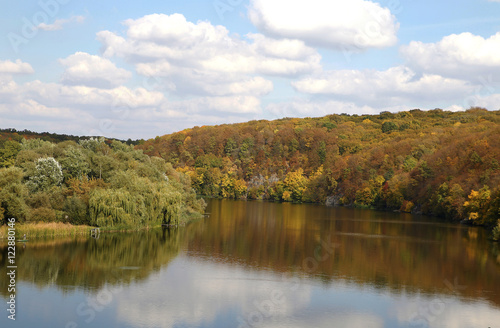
x=136 y=201
x=112 y=208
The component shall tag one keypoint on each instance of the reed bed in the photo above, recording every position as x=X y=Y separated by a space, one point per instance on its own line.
x=44 y=230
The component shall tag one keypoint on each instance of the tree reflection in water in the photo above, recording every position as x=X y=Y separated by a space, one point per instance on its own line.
x=383 y=250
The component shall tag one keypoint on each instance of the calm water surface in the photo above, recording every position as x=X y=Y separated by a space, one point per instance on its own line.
x=259 y=264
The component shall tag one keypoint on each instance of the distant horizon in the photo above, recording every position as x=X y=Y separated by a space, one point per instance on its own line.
x=135 y=69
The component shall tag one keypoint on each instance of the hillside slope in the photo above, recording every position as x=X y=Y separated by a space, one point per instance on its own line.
x=435 y=162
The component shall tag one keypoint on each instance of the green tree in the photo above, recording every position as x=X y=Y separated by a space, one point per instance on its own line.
x=410 y=163
x=317 y=187
x=389 y=126
x=322 y=151
x=9 y=152
x=74 y=163
x=13 y=194
x=230 y=147
x=41 y=146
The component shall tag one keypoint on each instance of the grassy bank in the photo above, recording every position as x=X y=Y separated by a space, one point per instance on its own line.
x=43 y=230
x=53 y=229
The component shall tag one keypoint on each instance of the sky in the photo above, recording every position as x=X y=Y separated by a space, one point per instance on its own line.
x=128 y=69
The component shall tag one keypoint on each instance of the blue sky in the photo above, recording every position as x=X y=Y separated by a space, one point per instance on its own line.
x=128 y=69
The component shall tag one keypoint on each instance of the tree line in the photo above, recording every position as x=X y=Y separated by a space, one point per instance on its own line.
x=18 y=135
x=436 y=162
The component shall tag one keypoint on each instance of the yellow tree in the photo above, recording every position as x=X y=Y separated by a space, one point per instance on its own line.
x=478 y=204
x=295 y=183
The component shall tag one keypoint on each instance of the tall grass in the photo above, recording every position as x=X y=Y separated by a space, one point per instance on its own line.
x=58 y=229
x=43 y=230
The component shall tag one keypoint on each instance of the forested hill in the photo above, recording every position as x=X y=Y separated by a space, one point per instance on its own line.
x=436 y=162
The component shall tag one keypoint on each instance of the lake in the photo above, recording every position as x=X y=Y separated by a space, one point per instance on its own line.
x=262 y=264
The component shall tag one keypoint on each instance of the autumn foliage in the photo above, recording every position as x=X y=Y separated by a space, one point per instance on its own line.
x=435 y=162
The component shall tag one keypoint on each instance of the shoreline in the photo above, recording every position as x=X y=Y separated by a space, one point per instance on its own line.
x=38 y=231
x=58 y=229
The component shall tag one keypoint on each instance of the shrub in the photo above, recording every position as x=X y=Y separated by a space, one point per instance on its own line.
x=43 y=214
x=76 y=211
x=407 y=206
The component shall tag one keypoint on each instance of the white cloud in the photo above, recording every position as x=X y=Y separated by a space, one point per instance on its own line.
x=53 y=94
x=22 y=112
x=465 y=56
x=118 y=112
x=395 y=86
x=9 y=91
x=89 y=70
x=283 y=48
x=205 y=60
x=339 y=24
x=455 y=108
x=74 y=109
x=18 y=67
x=185 y=81
x=59 y=23
x=490 y=101
x=212 y=76
x=31 y=110
x=234 y=104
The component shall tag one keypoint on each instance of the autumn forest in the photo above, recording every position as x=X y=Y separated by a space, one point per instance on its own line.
x=439 y=163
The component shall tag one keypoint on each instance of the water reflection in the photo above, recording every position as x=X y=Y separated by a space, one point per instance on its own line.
x=229 y=296
x=87 y=263
x=384 y=250
x=258 y=264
